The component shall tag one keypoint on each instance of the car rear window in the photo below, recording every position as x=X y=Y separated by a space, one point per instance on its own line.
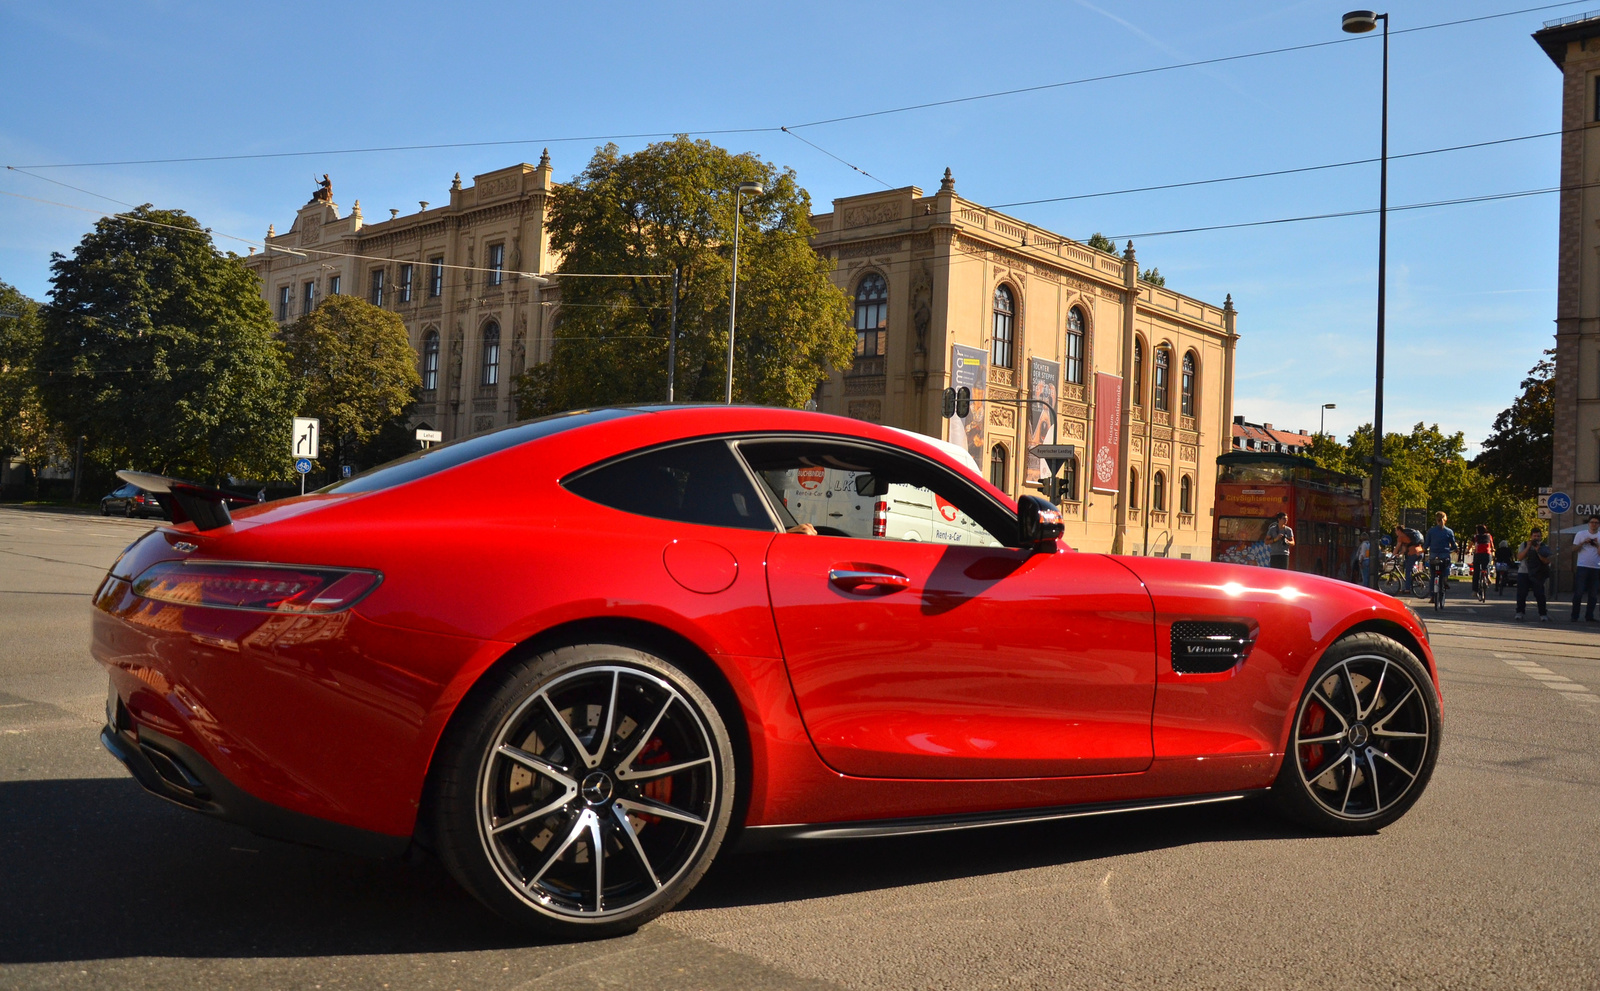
x=437 y=459
x=700 y=482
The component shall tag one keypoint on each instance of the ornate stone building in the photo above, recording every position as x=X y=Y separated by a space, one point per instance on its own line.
x=1574 y=46
x=454 y=274
x=1044 y=331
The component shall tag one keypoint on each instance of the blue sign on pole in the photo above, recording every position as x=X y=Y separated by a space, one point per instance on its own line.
x=1559 y=502
x=303 y=465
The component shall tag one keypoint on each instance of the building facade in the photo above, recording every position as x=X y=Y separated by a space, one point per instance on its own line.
x=1264 y=437
x=454 y=273
x=1059 y=344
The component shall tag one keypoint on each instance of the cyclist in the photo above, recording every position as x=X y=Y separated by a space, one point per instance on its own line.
x=1439 y=545
x=1408 y=548
x=1482 y=553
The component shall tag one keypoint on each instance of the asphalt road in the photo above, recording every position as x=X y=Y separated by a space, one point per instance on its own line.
x=1490 y=881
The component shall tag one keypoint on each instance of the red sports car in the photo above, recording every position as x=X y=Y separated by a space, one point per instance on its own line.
x=575 y=657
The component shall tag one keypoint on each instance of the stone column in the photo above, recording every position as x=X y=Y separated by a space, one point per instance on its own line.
x=1130 y=302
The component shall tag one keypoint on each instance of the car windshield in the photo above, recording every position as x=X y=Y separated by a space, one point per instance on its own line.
x=437 y=459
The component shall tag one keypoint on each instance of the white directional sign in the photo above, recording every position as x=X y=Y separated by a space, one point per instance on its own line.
x=307 y=437
x=430 y=436
x=1054 y=455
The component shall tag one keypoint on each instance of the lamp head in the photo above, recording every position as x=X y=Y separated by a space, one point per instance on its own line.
x=751 y=188
x=1360 y=21
x=1330 y=406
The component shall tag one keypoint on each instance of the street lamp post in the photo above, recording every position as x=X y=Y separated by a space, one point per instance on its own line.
x=754 y=189
x=1360 y=22
x=1323 y=423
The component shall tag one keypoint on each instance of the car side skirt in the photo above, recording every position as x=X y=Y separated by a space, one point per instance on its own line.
x=755 y=837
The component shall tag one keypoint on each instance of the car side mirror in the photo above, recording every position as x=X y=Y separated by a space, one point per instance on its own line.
x=1039 y=523
x=870 y=485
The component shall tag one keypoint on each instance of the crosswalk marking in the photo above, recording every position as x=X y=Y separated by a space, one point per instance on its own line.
x=1549 y=679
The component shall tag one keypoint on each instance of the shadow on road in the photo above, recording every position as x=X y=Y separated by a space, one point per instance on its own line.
x=95 y=869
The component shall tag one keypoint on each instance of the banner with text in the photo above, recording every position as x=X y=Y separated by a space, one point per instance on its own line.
x=969 y=367
x=1043 y=378
x=1107 y=472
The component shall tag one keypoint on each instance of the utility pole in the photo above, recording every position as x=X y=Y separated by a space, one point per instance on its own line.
x=672 y=335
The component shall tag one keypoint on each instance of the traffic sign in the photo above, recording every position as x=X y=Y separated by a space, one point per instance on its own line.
x=1054 y=455
x=345 y=471
x=306 y=439
x=430 y=436
x=303 y=466
x=1559 y=502
x=1544 y=512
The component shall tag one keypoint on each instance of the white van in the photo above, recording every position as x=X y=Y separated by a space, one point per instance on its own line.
x=831 y=500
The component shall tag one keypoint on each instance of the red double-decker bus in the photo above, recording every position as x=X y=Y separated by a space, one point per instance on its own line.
x=1327 y=509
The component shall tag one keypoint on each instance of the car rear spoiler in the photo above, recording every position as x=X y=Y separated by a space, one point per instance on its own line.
x=187 y=502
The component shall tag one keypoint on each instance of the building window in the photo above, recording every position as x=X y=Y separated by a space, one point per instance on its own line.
x=1133 y=488
x=1185 y=496
x=308 y=295
x=430 y=361
x=1069 y=480
x=333 y=285
x=436 y=277
x=283 y=303
x=405 y=284
x=1158 y=400
x=872 y=315
x=1075 y=346
x=1158 y=492
x=497 y=264
x=1005 y=308
x=376 y=297
x=1138 y=372
x=997 y=467
x=491 y=354
x=1187 y=385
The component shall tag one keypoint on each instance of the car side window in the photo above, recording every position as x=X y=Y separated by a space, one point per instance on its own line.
x=847 y=491
x=699 y=482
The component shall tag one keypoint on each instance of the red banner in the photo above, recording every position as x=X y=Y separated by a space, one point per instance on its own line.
x=1105 y=474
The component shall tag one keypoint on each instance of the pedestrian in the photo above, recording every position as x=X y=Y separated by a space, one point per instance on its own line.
x=1504 y=565
x=1587 y=546
x=1533 y=567
x=1440 y=544
x=1280 y=541
x=1364 y=553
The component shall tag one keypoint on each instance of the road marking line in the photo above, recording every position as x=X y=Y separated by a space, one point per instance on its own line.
x=1584 y=698
x=1549 y=679
x=1546 y=677
x=1568 y=687
x=1508 y=657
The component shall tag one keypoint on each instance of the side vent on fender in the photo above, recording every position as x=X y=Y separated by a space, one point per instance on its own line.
x=1209 y=648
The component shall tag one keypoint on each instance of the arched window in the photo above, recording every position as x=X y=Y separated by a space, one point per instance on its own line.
x=1158 y=399
x=1069 y=480
x=1075 y=346
x=1158 y=492
x=430 y=361
x=1138 y=372
x=997 y=467
x=1187 y=385
x=1185 y=495
x=1005 y=327
x=1133 y=488
x=872 y=315
x=491 y=354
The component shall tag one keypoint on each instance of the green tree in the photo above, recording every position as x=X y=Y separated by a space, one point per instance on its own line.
x=26 y=433
x=1153 y=276
x=1520 y=451
x=672 y=204
x=1100 y=242
x=358 y=368
x=160 y=352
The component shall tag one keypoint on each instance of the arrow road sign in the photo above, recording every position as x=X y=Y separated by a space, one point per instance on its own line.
x=1054 y=455
x=303 y=466
x=1559 y=502
x=306 y=438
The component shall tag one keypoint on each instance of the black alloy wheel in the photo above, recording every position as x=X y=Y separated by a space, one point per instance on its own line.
x=1365 y=739
x=588 y=793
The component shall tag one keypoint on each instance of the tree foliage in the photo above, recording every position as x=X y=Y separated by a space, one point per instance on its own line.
x=1100 y=242
x=159 y=351
x=1153 y=276
x=358 y=368
x=672 y=204
x=1520 y=451
x=26 y=432
x=1430 y=471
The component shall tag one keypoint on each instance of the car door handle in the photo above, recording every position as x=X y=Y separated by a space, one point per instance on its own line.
x=851 y=580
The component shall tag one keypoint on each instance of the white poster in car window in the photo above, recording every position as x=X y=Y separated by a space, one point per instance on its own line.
x=969 y=368
x=1044 y=377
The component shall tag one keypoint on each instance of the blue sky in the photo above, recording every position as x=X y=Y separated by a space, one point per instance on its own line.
x=1471 y=288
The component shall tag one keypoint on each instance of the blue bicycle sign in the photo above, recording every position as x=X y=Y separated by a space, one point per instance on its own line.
x=303 y=466
x=1559 y=502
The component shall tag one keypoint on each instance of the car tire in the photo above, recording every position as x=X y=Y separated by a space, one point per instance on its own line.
x=104 y=509
x=128 y=510
x=1364 y=740
x=588 y=748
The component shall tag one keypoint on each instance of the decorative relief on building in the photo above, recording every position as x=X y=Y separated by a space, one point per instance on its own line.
x=922 y=242
x=1078 y=410
x=1161 y=449
x=870 y=410
x=1070 y=391
x=1136 y=444
x=481 y=423
x=876 y=213
x=1073 y=428
x=1163 y=433
x=1189 y=453
x=864 y=385
x=1002 y=416
x=1072 y=509
x=491 y=189
x=866 y=249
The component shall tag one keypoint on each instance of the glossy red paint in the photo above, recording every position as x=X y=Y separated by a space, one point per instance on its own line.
x=994 y=678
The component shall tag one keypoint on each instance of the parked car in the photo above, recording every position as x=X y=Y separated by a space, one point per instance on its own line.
x=131 y=501
x=578 y=656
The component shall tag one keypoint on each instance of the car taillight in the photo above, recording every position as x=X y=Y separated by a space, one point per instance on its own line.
x=255 y=587
x=880 y=519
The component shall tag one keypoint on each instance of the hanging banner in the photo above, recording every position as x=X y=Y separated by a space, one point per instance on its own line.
x=969 y=368
x=1044 y=377
x=1107 y=432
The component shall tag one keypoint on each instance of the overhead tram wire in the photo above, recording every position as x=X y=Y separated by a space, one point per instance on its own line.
x=789 y=128
x=836 y=158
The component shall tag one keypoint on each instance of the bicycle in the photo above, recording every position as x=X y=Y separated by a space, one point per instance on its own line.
x=1480 y=580
x=1439 y=581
